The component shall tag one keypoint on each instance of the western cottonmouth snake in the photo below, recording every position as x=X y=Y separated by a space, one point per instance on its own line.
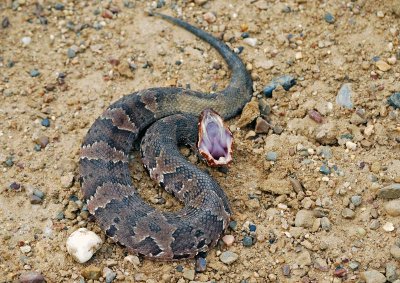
x=105 y=176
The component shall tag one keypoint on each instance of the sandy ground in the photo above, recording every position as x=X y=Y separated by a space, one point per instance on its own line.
x=319 y=209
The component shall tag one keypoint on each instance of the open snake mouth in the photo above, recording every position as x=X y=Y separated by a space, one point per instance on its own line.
x=215 y=139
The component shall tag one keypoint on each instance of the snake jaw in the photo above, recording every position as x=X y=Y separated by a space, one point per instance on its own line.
x=215 y=139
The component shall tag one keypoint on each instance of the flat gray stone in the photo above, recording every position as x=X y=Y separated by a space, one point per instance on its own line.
x=228 y=257
x=390 y=192
x=373 y=276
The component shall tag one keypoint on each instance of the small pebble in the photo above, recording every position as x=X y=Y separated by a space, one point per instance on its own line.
x=107 y=14
x=373 y=276
x=390 y=192
x=250 y=41
x=329 y=18
x=209 y=17
x=391 y=272
x=271 y=156
x=35 y=200
x=133 y=259
x=374 y=224
x=228 y=257
x=34 y=73
x=82 y=244
x=14 y=186
x=343 y=97
x=91 y=272
x=354 y=265
x=250 y=112
x=38 y=193
x=247 y=241
x=388 y=227
x=304 y=218
x=286 y=270
x=347 y=213
x=43 y=141
x=298 y=55
x=394 y=100
x=285 y=81
x=324 y=169
x=25 y=249
x=262 y=126
x=393 y=207
x=356 y=200
x=252 y=227
x=189 y=274
x=383 y=66
x=228 y=240
x=71 y=53
x=67 y=180
x=395 y=252
x=26 y=40
x=9 y=161
x=60 y=215
x=179 y=268
x=59 y=6
x=233 y=225
x=45 y=122
x=351 y=145
x=109 y=275
x=325 y=224
x=5 y=23
x=277 y=129
x=245 y=35
x=340 y=271
x=201 y=264
x=315 y=115
x=31 y=277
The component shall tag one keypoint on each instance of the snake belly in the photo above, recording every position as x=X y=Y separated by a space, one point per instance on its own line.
x=105 y=176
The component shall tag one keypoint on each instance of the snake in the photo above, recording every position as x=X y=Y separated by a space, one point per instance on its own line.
x=162 y=119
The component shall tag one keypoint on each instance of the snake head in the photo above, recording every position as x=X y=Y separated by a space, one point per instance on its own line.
x=215 y=139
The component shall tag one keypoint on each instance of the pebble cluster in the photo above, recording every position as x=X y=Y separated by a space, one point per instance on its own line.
x=315 y=184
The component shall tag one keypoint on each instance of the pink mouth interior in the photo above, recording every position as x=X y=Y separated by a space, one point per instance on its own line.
x=215 y=140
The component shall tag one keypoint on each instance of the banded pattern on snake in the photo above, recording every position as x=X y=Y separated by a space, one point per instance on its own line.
x=170 y=117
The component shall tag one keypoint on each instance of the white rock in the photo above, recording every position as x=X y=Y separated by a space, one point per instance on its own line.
x=369 y=130
x=351 y=145
x=25 y=249
x=26 y=40
x=298 y=55
x=250 y=41
x=132 y=259
x=82 y=244
x=388 y=227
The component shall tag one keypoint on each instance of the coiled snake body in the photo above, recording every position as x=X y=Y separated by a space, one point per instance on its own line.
x=105 y=176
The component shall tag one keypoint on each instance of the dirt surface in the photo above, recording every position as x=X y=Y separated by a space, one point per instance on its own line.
x=317 y=206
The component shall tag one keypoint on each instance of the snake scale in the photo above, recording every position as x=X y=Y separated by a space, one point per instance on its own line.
x=167 y=113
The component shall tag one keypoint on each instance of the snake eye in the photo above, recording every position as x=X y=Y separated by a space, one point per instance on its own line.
x=215 y=139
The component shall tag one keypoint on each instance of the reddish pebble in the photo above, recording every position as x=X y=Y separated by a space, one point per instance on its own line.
x=209 y=17
x=228 y=240
x=31 y=277
x=262 y=126
x=15 y=186
x=115 y=9
x=107 y=14
x=114 y=62
x=315 y=115
x=340 y=272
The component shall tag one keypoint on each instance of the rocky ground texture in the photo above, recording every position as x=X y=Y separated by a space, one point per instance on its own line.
x=315 y=184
